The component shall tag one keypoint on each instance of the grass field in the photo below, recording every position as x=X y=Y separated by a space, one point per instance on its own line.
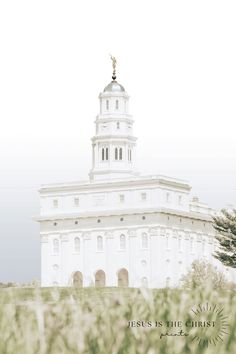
x=95 y=320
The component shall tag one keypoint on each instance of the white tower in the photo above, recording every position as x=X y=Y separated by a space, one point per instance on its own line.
x=114 y=143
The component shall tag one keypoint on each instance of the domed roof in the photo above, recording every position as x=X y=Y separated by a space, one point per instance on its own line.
x=114 y=86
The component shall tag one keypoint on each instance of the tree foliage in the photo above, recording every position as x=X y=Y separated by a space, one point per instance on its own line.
x=225 y=226
x=201 y=274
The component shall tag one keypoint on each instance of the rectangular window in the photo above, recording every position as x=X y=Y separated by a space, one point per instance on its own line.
x=122 y=198
x=143 y=196
x=118 y=125
x=117 y=104
x=180 y=200
x=107 y=105
x=76 y=201
x=55 y=203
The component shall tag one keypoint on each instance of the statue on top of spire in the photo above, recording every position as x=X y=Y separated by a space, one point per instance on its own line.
x=114 y=62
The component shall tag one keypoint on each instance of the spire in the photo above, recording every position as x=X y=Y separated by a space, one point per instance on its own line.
x=114 y=67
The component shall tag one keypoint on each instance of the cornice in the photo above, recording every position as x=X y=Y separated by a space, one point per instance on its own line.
x=125 y=212
x=113 y=137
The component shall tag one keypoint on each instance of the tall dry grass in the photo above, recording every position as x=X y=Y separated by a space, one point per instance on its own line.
x=95 y=320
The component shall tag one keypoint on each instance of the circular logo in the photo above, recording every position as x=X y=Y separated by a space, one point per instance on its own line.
x=207 y=325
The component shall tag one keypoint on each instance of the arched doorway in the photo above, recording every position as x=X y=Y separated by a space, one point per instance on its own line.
x=78 y=279
x=123 y=277
x=100 y=278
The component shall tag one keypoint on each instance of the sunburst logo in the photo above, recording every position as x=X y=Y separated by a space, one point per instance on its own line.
x=208 y=324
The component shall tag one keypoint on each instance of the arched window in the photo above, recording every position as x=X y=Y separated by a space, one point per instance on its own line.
x=118 y=125
x=116 y=154
x=122 y=242
x=103 y=154
x=117 y=104
x=180 y=199
x=191 y=245
x=180 y=243
x=203 y=246
x=144 y=282
x=55 y=246
x=144 y=240
x=167 y=241
x=167 y=282
x=120 y=154
x=143 y=196
x=76 y=201
x=55 y=203
x=107 y=105
x=77 y=245
x=99 y=243
x=106 y=153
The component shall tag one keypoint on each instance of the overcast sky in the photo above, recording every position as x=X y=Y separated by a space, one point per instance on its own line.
x=176 y=59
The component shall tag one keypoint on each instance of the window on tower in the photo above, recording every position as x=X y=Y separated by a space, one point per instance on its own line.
x=107 y=105
x=103 y=154
x=120 y=154
x=107 y=153
x=117 y=104
x=116 y=154
x=118 y=125
x=129 y=155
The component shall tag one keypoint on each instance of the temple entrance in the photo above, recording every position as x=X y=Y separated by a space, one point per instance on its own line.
x=100 y=278
x=123 y=277
x=78 y=280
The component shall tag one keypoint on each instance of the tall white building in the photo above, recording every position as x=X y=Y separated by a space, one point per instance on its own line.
x=120 y=228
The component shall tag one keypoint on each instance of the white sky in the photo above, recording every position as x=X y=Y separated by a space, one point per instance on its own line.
x=176 y=59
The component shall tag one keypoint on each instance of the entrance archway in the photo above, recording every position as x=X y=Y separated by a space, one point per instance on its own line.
x=78 y=279
x=123 y=277
x=100 y=278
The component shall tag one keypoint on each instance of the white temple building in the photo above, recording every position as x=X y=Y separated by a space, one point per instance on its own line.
x=120 y=228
